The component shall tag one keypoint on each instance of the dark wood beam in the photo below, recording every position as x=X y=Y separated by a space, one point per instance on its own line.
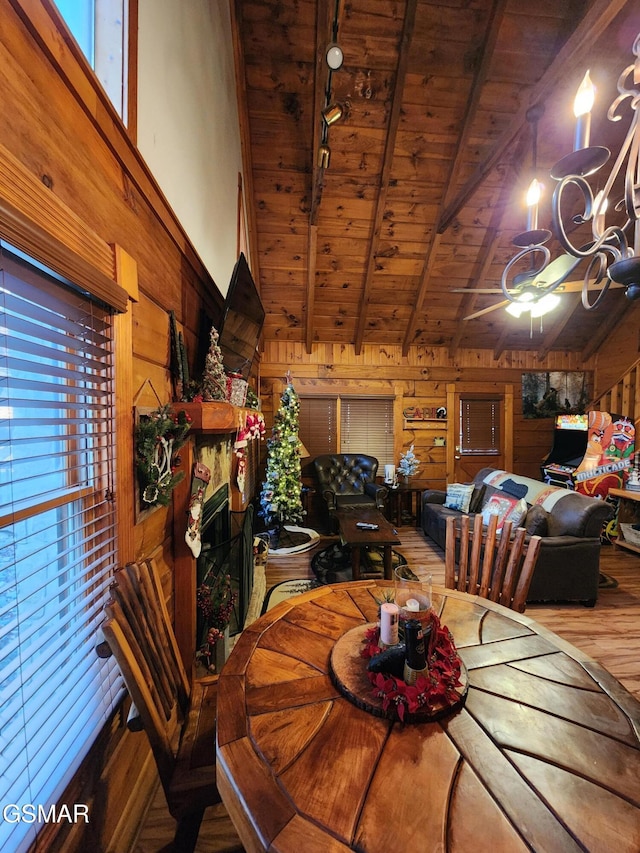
x=491 y=33
x=569 y=59
x=389 y=147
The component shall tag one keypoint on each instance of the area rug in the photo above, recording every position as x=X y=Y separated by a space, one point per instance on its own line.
x=286 y=589
x=607 y=582
x=333 y=564
x=292 y=540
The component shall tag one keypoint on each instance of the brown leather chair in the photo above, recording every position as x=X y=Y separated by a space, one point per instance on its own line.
x=349 y=480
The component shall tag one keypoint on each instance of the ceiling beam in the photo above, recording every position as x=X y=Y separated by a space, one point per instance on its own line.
x=389 y=148
x=613 y=317
x=570 y=59
x=489 y=42
x=312 y=248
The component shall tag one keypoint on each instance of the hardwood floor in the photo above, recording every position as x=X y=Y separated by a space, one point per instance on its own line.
x=608 y=632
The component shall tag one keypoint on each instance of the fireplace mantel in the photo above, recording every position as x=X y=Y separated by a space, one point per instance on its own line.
x=218 y=417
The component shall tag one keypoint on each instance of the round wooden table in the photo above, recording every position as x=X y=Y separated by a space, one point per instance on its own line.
x=544 y=755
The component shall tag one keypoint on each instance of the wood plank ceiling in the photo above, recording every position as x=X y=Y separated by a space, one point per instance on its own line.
x=429 y=164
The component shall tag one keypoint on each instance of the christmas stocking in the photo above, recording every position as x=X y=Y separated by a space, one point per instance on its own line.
x=201 y=476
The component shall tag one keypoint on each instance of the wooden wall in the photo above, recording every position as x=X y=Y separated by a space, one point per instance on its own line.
x=421 y=380
x=61 y=128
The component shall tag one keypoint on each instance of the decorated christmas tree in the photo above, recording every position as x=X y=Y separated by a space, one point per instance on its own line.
x=280 y=497
x=214 y=379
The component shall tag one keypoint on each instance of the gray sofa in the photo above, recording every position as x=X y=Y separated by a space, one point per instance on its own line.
x=570 y=525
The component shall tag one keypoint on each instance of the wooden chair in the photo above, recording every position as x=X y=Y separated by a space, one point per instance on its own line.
x=480 y=562
x=178 y=718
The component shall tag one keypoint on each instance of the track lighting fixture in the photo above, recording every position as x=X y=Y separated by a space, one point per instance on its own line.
x=332 y=113
x=334 y=56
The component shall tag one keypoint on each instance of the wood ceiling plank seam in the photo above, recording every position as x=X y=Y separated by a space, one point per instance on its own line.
x=392 y=130
x=567 y=60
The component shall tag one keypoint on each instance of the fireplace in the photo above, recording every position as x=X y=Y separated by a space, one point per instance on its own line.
x=227 y=547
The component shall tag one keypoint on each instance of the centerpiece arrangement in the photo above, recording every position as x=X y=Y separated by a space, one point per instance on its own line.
x=406 y=666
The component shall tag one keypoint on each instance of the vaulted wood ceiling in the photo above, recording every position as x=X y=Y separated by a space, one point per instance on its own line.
x=429 y=165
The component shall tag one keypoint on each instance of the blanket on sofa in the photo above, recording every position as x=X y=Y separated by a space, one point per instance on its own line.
x=534 y=492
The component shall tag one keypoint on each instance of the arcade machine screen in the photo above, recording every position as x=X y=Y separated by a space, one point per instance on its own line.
x=567 y=451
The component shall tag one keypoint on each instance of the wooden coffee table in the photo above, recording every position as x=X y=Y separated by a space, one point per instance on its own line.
x=386 y=536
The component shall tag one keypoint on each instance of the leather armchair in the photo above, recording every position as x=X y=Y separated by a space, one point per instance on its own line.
x=349 y=480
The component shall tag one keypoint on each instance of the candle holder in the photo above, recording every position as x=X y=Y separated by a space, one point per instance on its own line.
x=413 y=596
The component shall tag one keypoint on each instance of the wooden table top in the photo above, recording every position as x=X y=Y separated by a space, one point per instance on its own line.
x=386 y=534
x=544 y=755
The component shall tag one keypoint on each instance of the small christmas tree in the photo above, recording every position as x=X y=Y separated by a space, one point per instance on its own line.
x=280 y=497
x=214 y=379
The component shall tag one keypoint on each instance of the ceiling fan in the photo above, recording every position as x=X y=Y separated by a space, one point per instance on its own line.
x=530 y=288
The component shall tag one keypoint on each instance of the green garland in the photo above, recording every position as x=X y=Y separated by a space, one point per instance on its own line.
x=157 y=437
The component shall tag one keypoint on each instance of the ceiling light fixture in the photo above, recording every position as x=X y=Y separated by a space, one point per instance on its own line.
x=608 y=255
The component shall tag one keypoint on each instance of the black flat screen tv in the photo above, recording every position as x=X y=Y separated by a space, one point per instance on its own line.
x=242 y=321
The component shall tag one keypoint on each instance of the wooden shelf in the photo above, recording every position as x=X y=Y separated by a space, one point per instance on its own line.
x=218 y=417
x=628 y=513
x=425 y=423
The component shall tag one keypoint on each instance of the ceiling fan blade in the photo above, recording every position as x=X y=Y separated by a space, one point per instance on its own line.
x=484 y=311
x=576 y=286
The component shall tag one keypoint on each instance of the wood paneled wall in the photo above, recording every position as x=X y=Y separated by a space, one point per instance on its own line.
x=420 y=379
x=57 y=122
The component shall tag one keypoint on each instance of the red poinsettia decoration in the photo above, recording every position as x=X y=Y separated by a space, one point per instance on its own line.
x=431 y=691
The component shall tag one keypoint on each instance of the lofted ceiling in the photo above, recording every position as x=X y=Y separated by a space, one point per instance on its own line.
x=394 y=242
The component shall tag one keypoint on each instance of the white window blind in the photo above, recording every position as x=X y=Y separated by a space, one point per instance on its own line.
x=366 y=426
x=479 y=426
x=57 y=535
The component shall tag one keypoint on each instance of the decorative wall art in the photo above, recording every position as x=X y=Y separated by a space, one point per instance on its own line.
x=545 y=395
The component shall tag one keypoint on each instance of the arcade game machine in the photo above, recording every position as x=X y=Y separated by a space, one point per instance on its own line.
x=570 y=438
x=603 y=446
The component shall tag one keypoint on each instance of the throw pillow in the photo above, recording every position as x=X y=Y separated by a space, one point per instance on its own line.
x=459 y=496
x=506 y=508
x=535 y=522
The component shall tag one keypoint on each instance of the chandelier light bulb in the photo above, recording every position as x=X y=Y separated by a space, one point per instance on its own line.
x=582 y=106
x=533 y=198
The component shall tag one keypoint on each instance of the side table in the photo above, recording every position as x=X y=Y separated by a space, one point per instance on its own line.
x=405 y=495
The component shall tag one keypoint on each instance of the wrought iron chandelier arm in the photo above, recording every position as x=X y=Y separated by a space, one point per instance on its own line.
x=611 y=239
x=513 y=294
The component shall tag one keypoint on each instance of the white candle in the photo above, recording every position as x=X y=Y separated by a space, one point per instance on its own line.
x=582 y=106
x=412 y=605
x=533 y=197
x=389 y=623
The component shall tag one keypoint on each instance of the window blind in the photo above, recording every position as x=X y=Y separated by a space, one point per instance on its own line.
x=479 y=426
x=366 y=426
x=317 y=424
x=57 y=535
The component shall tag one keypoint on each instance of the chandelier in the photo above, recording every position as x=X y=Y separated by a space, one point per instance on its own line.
x=612 y=255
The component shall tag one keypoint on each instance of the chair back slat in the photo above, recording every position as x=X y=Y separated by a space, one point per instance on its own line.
x=142 y=689
x=127 y=592
x=481 y=562
x=488 y=551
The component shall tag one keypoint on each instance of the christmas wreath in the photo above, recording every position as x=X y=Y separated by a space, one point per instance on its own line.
x=431 y=691
x=157 y=437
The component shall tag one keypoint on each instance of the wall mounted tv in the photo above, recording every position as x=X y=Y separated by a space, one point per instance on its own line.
x=242 y=320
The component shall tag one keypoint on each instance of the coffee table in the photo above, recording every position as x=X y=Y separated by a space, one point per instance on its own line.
x=386 y=536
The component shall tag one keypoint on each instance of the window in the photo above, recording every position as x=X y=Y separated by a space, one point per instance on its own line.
x=348 y=425
x=479 y=426
x=100 y=28
x=57 y=534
